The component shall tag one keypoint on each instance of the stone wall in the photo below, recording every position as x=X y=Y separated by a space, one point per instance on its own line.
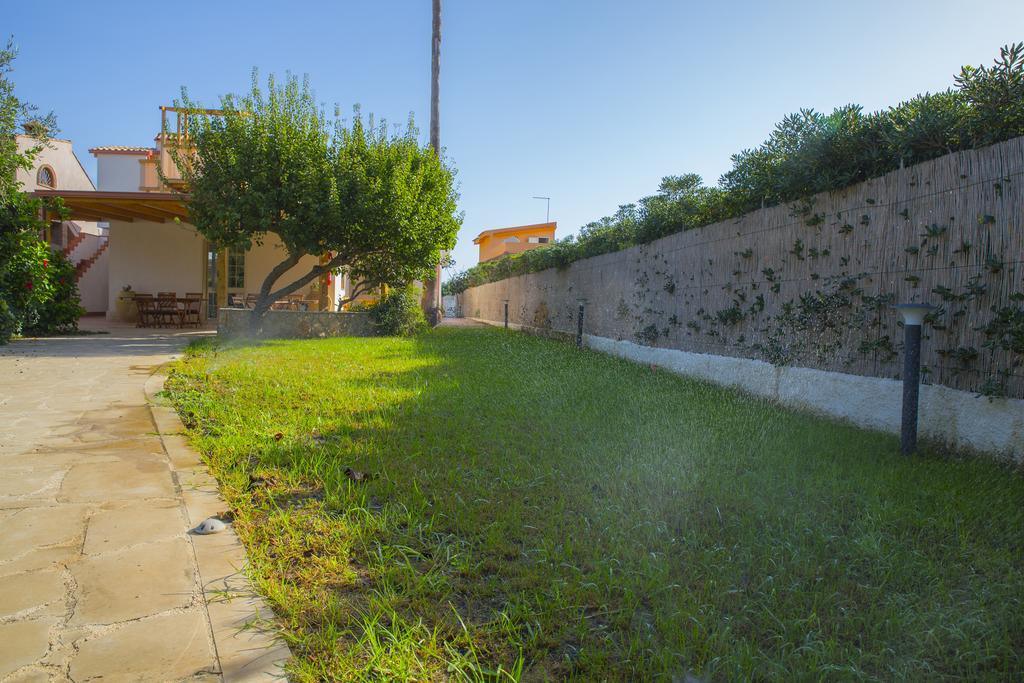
x=811 y=286
x=234 y=323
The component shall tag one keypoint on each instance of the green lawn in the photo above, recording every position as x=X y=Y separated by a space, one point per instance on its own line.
x=535 y=512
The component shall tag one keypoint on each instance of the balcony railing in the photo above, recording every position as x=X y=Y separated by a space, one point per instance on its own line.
x=172 y=139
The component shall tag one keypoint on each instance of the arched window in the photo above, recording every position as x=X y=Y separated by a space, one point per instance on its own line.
x=46 y=177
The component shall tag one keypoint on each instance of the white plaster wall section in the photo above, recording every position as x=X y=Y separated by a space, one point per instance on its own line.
x=154 y=257
x=866 y=401
x=118 y=172
x=94 y=283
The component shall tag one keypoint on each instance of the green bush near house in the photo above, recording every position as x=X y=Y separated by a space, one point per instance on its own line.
x=38 y=287
x=399 y=313
x=807 y=153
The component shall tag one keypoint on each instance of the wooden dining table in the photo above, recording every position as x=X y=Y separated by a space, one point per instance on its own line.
x=163 y=310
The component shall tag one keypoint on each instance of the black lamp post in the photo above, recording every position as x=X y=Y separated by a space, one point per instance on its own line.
x=579 y=323
x=913 y=318
x=506 y=313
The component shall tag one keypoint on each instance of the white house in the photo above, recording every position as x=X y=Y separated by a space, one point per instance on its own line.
x=84 y=242
x=152 y=248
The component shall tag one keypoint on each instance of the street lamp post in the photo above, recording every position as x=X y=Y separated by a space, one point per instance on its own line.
x=913 y=318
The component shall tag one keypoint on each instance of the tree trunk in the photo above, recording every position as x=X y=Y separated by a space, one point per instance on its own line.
x=267 y=298
x=431 y=300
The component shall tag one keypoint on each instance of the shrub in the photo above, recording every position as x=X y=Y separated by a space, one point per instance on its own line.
x=399 y=313
x=38 y=288
x=58 y=313
x=8 y=322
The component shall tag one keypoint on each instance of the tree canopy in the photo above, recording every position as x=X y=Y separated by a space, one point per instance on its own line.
x=377 y=204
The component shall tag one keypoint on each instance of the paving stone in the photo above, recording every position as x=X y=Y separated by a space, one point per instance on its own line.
x=246 y=651
x=117 y=481
x=180 y=452
x=108 y=541
x=23 y=643
x=24 y=591
x=167 y=647
x=134 y=583
x=41 y=558
x=29 y=481
x=115 y=529
x=33 y=675
x=41 y=526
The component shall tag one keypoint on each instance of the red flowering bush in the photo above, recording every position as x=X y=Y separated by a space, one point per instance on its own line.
x=37 y=287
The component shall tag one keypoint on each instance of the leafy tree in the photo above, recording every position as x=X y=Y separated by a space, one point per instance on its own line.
x=381 y=206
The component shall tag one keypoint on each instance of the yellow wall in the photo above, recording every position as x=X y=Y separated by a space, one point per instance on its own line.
x=495 y=245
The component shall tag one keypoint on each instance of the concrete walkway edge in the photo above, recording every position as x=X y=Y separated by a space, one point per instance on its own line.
x=246 y=647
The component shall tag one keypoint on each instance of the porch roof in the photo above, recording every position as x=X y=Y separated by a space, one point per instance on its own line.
x=92 y=205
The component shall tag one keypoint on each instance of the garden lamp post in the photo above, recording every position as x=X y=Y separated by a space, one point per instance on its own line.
x=913 y=317
x=506 y=313
x=579 y=323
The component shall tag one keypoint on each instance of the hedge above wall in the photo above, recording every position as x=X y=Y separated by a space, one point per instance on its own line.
x=808 y=153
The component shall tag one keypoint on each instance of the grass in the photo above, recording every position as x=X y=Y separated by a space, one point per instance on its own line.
x=534 y=512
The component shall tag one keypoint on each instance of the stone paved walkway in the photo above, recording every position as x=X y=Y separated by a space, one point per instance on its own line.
x=98 y=575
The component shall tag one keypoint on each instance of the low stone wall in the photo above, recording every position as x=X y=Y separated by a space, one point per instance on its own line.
x=233 y=323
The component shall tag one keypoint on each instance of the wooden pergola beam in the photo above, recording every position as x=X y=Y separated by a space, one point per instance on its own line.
x=135 y=211
x=125 y=206
x=108 y=211
x=168 y=211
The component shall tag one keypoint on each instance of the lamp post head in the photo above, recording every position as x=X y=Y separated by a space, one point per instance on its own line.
x=913 y=314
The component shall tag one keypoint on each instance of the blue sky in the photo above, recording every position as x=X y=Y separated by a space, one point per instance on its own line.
x=590 y=103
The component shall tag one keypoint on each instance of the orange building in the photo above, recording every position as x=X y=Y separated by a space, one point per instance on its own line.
x=501 y=241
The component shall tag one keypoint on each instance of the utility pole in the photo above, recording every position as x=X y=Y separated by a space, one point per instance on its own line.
x=431 y=302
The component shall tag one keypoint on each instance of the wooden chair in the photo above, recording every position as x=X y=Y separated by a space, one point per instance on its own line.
x=236 y=301
x=146 y=305
x=191 y=311
x=166 y=308
x=250 y=300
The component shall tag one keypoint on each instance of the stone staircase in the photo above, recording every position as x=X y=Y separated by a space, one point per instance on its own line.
x=82 y=266
x=75 y=241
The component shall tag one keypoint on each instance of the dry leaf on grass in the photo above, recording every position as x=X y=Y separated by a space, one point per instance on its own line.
x=356 y=475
